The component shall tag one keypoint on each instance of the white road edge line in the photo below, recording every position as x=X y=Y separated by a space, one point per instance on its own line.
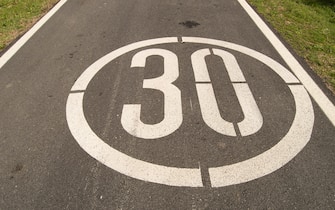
x=11 y=51
x=321 y=99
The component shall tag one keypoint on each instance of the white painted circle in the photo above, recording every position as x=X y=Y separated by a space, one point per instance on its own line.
x=265 y=163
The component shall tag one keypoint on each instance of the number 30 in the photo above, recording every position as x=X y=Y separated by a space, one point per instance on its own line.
x=173 y=117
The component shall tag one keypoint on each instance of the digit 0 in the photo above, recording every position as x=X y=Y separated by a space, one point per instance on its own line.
x=253 y=119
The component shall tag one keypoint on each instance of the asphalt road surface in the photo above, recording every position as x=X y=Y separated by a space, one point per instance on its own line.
x=162 y=105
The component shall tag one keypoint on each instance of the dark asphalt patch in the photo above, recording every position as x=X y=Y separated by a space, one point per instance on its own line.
x=189 y=24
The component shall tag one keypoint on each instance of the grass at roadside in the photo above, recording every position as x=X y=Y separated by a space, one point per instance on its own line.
x=17 y=16
x=309 y=27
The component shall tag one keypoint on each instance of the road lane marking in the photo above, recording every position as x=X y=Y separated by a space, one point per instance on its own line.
x=287 y=76
x=109 y=156
x=85 y=78
x=276 y=157
x=269 y=161
x=321 y=99
x=11 y=51
x=119 y=161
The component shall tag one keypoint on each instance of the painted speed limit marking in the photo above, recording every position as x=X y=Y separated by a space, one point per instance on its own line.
x=173 y=108
x=265 y=163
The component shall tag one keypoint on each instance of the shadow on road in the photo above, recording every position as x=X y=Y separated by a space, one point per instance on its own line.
x=330 y=3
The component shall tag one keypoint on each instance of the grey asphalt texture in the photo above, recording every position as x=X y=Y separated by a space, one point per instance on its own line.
x=43 y=167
